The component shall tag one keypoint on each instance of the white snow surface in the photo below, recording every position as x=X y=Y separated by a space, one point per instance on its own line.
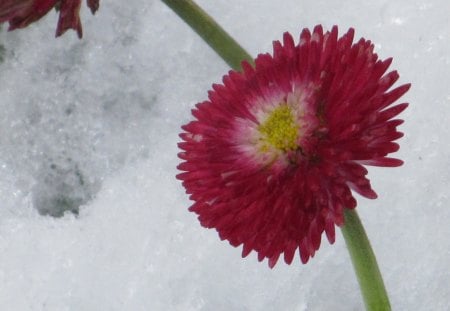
x=96 y=121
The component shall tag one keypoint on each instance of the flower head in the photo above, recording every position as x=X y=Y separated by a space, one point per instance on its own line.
x=271 y=158
x=21 y=13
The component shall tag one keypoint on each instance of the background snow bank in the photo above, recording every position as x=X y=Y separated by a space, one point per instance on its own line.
x=95 y=122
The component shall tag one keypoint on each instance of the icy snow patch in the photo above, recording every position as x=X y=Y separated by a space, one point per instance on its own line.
x=91 y=126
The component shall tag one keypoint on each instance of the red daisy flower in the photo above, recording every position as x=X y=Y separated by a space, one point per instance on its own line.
x=271 y=159
x=21 y=13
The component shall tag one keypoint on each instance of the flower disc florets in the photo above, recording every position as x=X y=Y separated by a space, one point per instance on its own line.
x=279 y=130
x=271 y=159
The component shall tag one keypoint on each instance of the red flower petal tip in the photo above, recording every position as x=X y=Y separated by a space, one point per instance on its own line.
x=21 y=13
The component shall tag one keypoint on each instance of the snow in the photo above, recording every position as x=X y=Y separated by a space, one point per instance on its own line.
x=94 y=123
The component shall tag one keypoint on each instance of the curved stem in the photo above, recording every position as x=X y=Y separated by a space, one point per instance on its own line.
x=364 y=263
x=217 y=38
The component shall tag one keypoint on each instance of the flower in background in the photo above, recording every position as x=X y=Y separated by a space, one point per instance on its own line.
x=20 y=13
x=271 y=159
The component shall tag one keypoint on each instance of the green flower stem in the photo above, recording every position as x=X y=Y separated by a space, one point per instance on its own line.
x=365 y=263
x=232 y=53
x=217 y=38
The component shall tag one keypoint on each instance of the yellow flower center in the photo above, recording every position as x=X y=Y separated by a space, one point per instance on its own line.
x=279 y=130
